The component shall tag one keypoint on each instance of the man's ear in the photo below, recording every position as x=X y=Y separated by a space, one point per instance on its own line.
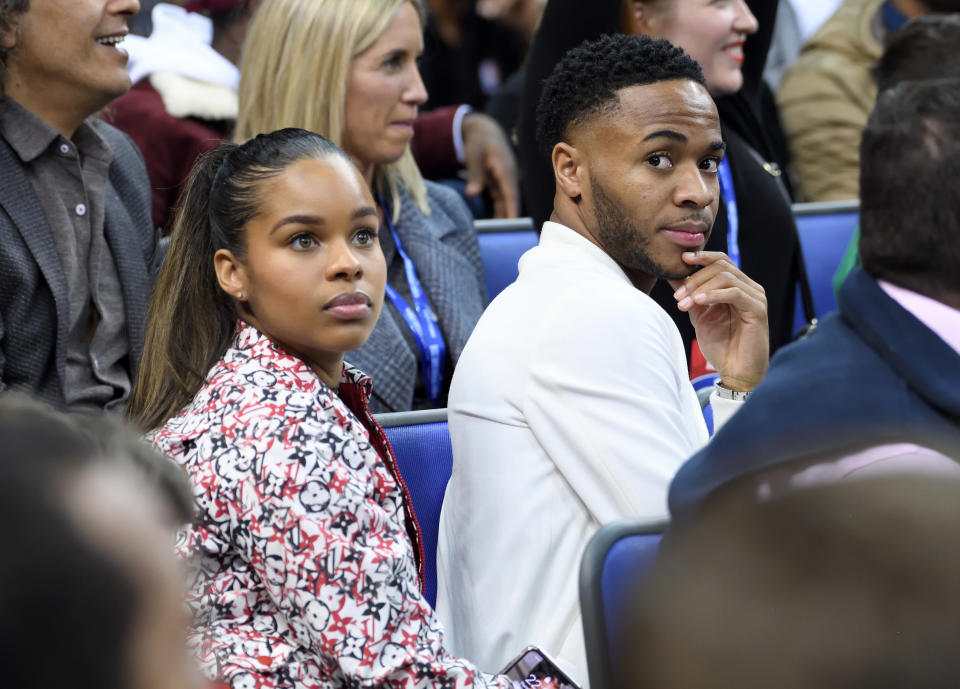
x=231 y=274
x=8 y=35
x=568 y=169
x=640 y=19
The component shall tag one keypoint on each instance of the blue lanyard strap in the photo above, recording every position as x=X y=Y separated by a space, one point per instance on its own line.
x=422 y=322
x=733 y=215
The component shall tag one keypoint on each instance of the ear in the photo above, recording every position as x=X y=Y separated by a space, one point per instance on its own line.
x=231 y=274
x=8 y=35
x=568 y=169
x=640 y=18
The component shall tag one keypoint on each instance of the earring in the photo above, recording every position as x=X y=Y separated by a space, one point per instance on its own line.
x=239 y=295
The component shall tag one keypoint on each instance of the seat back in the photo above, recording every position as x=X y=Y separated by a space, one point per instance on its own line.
x=421 y=444
x=825 y=230
x=613 y=566
x=502 y=243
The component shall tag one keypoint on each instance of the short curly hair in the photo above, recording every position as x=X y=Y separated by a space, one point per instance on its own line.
x=586 y=80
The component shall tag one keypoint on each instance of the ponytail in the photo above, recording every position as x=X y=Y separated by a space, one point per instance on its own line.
x=190 y=320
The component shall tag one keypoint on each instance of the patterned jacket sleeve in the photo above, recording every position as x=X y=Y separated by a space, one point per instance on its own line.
x=320 y=523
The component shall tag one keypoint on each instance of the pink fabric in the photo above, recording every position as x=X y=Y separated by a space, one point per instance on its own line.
x=900 y=458
x=942 y=319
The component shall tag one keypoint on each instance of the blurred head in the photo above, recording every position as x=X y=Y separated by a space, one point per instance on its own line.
x=280 y=232
x=361 y=90
x=635 y=142
x=850 y=586
x=909 y=198
x=927 y=47
x=61 y=58
x=711 y=31
x=88 y=563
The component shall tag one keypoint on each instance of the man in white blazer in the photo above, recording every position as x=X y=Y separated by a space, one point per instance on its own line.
x=571 y=405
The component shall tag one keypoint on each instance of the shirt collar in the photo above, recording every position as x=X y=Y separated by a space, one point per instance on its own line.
x=29 y=135
x=251 y=343
x=556 y=237
x=937 y=316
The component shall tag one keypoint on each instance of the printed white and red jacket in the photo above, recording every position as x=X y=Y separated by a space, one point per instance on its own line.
x=305 y=559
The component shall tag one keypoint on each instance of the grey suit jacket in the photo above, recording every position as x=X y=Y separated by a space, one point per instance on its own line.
x=34 y=308
x=444 y=248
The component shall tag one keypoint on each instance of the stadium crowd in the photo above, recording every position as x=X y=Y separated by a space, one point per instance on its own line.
x=240 y=237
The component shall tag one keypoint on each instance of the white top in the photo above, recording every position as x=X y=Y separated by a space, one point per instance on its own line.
x=570 y=407
x=179 y=44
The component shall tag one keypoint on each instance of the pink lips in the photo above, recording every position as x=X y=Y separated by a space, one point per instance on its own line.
x=349 y=305
x=734 y=51
x=687 y=235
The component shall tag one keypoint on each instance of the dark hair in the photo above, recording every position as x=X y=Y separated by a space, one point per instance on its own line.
x=927 y=47
x=224 y=19
x=191 y=320
x=585 y=81
x=854 y=585
x=48 y=448
x=909 y=198
x=9 y=9
x=942 y=6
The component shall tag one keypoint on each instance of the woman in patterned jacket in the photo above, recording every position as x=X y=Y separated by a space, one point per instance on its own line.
x=305 y=556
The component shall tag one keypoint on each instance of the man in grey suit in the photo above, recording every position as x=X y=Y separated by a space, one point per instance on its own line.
x=76 y=240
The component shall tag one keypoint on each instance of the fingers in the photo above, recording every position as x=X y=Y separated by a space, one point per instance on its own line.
x=744 y=302
x=490 y=164
x=717 y=272
x=504 y=188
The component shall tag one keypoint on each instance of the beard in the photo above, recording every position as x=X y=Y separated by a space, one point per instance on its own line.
x=624 y=242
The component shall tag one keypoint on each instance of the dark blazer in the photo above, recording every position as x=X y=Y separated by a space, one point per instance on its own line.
x=870 y=374
x=34 y=305
x=443 y=246
x=769 y=245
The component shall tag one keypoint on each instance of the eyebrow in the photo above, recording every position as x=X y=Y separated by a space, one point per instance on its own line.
x=666 y=134
x=362 y=212
x=682 y=138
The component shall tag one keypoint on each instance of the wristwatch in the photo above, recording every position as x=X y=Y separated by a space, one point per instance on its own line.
x=728 y=394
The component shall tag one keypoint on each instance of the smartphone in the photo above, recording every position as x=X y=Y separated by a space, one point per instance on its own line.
x=534 y=669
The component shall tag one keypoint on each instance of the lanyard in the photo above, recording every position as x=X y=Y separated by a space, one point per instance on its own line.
x=421 y=321
x=893 y=18
x=733 y=216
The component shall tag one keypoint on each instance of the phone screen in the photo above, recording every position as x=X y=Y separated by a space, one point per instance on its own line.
x=535 y=670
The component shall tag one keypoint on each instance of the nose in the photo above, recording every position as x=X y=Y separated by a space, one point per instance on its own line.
x=695 y=189
x=745 y=22
x=125 y=7
x=342 y=262
x=416 y=92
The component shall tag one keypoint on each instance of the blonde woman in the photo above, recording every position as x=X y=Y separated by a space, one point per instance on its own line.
x=347 y=69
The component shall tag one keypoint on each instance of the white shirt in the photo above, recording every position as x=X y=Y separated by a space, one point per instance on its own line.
x=570 y=407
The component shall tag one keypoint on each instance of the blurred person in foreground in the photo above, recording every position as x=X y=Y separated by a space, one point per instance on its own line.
x=307 y=552
x=876 y=383
x=77 y=247
x=184 y=102
x=828 y=93
x=848 y=586
x=571 y=406
x=91 y=595
x=362 y=92
x=754 y=225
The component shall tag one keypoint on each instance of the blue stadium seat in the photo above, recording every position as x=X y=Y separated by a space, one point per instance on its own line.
x=502 y=243
x=612 y=568
x=421 y=443
x=825 y=230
